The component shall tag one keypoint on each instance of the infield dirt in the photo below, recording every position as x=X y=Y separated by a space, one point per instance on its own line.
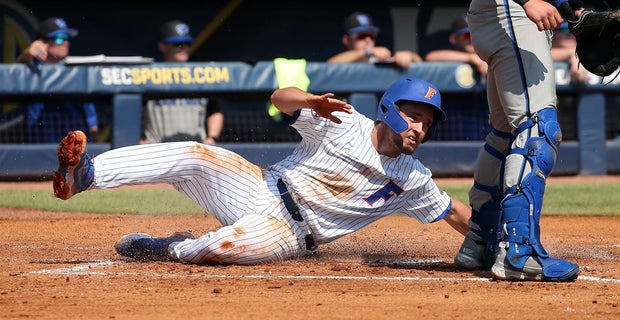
x=63 y=266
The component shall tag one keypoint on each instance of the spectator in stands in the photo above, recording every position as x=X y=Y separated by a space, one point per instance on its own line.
x=462 y=49
x=180 y=119
x=563 y=50
x=359 y=39
x=467 y=119
x=51 y=120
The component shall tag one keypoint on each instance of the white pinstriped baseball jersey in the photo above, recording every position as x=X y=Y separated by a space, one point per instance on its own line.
x=336 y=176
x=342 y=183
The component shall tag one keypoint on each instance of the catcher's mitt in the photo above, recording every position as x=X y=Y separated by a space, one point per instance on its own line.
x=598 y=41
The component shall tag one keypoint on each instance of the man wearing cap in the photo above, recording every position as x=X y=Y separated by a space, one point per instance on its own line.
x=359 y=34
x=459 y=49
x=180 y=119
x=462 y=49
x=52 y=43
x=42 y=124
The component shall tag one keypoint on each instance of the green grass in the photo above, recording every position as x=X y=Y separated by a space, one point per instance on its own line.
x=142 y=201
x=592 y=199
x=561 y=199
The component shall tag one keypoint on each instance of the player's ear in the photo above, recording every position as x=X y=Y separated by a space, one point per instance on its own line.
x=452 y=39
x=345 y=40
x=161 y=46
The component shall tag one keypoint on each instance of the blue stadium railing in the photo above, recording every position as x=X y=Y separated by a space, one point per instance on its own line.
x=125 y=85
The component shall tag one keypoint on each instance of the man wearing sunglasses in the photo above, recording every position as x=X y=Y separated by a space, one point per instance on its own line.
x=52 y=43
x=461 y=48
x=180 y=119
x=359 y=39
x=42 y=125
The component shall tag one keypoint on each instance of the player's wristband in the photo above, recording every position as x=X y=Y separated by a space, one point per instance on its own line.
x=558 y=3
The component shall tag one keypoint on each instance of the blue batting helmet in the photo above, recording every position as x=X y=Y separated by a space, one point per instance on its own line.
x=409 y=89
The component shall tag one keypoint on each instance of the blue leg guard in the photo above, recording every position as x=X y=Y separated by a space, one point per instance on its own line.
x=487 y=220
x=485 y=197
x=522 y=205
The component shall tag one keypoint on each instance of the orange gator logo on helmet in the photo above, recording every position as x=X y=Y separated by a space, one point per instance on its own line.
x=430 y=93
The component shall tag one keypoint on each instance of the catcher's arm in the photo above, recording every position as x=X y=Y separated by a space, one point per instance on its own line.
x=542 y=13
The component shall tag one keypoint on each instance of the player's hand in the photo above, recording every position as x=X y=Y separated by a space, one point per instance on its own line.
x=38 y=50
x=578 y=74
x=405 y=58
x=479 y=64
x=209 y=140
x=381 y=53
x=94 y=133
x=325 y=104
x=543 y=14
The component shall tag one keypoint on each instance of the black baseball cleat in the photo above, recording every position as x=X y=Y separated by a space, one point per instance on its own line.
x=144 y=247
x=471 y=253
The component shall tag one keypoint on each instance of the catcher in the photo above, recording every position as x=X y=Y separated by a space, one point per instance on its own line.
x=520 y=151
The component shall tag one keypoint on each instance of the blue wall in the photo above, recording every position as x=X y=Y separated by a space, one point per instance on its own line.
x=592 y=154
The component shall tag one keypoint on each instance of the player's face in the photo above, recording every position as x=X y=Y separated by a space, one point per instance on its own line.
x=564 y=40
x=462 y=42
x=420 y=118
x=359 y=40
x=175 y=52
x=57 y=48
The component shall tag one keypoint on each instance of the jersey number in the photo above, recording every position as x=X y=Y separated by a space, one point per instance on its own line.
x=389 y=190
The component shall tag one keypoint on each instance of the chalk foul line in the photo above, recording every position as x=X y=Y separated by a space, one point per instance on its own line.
x=87 y=269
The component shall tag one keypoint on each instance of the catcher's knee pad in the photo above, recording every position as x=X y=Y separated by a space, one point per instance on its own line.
x=521 y=208
x=541 y=147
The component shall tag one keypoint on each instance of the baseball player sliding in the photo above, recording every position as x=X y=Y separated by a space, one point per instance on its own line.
x=347 y=172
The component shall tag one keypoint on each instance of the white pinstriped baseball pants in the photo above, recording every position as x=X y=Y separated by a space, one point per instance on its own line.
x=257 y=228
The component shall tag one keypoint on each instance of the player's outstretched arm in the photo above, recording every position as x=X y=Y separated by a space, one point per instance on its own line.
x=458 y=217
x=290 y=99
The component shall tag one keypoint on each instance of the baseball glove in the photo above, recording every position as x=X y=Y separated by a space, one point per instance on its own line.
x=598 y=41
